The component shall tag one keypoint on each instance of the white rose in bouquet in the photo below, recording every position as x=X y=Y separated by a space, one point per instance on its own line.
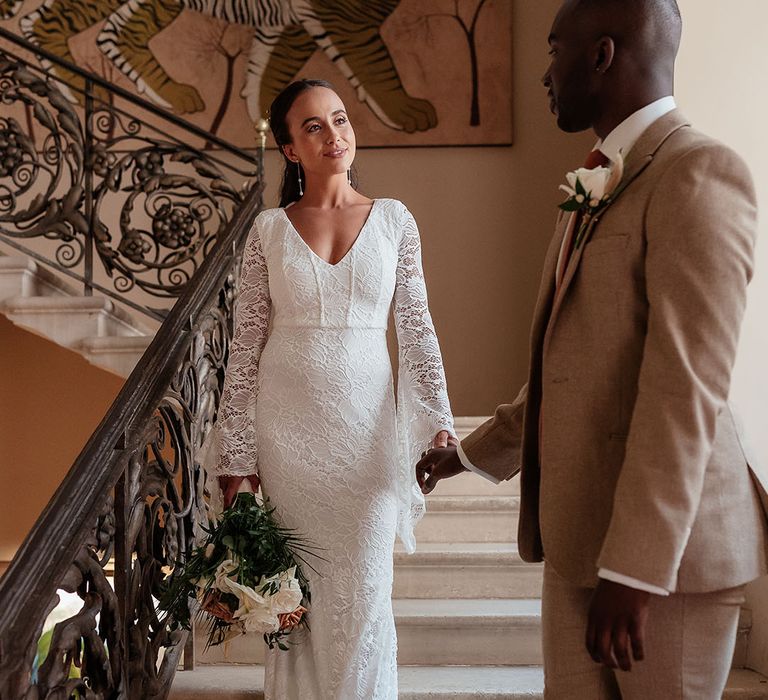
x=254 y=611
x=221 y=577
x=288 y=596
x=261 y=620
x=226 y=575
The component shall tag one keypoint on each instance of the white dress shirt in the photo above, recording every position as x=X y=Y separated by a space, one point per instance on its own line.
x=620 y=140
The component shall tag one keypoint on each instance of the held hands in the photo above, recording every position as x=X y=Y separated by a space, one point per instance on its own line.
x=616 y=626
x=440 y=461
x=442 y=439
x=229 y=486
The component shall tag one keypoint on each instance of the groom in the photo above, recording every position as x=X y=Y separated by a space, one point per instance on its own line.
x=634 y=490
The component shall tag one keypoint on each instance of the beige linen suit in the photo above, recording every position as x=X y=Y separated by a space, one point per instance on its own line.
x=628 y=453
x=639 y=469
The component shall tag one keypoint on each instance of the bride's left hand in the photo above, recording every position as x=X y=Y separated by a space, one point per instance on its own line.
x=443 y=439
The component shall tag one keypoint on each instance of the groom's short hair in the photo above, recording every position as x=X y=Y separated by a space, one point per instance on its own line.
x=657 y=23
x=659 y=9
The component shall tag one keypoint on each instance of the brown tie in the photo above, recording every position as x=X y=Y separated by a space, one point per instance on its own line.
x=595 y=159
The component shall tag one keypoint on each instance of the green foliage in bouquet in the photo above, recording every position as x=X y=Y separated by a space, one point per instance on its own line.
x=245 y=577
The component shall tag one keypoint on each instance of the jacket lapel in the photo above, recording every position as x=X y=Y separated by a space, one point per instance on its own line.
x=637 y=160
x=542 y=312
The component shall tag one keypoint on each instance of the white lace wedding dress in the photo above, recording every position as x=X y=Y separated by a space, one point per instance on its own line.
x=308 y=402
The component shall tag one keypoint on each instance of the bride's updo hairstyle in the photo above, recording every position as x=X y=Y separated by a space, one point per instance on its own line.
x=289 y=190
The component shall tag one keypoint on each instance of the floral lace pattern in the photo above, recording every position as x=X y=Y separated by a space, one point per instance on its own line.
x=309 y=403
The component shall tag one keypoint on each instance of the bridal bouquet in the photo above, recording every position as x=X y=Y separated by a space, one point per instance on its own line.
x=245 y=577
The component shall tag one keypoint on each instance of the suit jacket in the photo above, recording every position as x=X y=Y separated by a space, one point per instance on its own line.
x=628 y=453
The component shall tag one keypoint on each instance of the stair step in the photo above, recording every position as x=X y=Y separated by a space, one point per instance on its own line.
x=469 y=519
x=432 y=632
x=117 y=353
x=69 y=320
x=423 y=683
x=469 y=484
x=465 y=570
x=22 y=276
x=744 y=684
x=474 y=632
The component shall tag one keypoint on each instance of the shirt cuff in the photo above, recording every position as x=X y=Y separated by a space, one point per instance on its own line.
x=472 y=467
x=609 y=575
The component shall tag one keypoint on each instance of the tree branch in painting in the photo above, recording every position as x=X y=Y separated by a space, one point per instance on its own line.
x=468 y=29
x=230 y=57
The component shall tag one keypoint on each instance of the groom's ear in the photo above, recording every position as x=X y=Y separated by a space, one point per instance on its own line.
x=604 y=54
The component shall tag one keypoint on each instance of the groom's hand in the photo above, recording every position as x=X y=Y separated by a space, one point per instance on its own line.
x=616 y=626
x=438 y=463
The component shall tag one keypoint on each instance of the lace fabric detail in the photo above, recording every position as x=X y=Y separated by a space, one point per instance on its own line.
x=423 y=406
x=309 y=401
x=235 y=437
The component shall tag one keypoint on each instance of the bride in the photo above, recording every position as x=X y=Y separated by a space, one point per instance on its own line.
x=308 y=410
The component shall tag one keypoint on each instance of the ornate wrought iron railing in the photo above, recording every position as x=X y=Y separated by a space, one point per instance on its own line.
x=134 y=496
x=133 y=499
x=111 y=200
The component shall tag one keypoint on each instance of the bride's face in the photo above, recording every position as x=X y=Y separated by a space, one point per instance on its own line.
x=323 y=140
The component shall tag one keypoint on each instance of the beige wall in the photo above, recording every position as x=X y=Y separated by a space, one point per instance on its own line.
x=720 y=91
x=51 y=401
x=721 y=74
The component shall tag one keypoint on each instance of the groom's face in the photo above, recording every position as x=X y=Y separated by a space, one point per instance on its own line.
x=570 y=76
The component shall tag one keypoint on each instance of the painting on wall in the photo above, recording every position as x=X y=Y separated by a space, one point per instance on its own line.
x=411 y=72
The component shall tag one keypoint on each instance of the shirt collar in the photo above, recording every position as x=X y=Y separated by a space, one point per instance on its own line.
x=626 y=134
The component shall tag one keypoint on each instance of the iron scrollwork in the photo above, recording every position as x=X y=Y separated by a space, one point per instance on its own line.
x=116 y=644
x=147 y=206
x=156 y=213
x=166 y=498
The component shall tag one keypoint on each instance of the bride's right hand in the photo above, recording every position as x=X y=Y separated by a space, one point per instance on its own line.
x=230 y=485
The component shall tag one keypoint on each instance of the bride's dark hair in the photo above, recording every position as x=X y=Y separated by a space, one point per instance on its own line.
x=281 y=105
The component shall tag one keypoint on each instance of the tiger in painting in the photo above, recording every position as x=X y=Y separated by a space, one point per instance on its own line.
x=286 y=34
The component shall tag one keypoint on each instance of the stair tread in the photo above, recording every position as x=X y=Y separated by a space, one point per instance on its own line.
x=422 y=682
x=22 y=263
x=460 y=548
x=467 y=610
x=463 y=425
x=55 y=303
x=75 y=304
x=463 y=553
x=746 y=684
x=472 y=503
x=127 y=343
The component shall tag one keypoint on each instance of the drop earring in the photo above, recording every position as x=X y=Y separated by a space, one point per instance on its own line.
x=298 y=173
x=349 y=176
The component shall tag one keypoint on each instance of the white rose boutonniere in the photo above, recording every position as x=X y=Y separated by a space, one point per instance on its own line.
x=590 y=191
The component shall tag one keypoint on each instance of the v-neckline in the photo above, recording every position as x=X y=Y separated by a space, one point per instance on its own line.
x=349 y=250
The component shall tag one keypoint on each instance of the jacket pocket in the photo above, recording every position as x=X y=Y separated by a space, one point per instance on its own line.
x=606 y=244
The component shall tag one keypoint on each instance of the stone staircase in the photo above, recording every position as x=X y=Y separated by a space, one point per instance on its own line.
x=39 y=301
x=467 y=610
